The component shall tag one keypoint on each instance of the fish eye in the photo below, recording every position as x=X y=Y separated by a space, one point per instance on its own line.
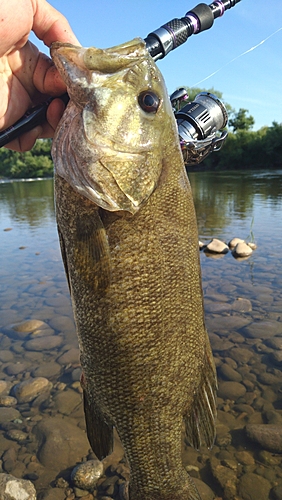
x=148 y=101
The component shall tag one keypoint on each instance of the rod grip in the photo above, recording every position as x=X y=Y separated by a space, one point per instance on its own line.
x=204 y=14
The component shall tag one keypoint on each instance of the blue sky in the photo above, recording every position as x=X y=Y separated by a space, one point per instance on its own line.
x=253 y=81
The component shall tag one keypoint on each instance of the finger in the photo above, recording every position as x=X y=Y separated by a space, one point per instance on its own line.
x=25 y=142
x=54 y=114
x=50 y=25
x=46 y=77
x=45 y=131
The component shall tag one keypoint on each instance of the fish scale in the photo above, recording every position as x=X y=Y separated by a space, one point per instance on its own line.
x=134 y=276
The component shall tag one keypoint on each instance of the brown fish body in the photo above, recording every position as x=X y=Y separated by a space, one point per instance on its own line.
x=136 y=291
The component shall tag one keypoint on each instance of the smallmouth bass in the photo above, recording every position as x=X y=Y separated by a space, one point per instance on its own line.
x=129 y=241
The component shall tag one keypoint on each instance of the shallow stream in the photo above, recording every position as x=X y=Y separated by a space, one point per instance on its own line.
x=42 y=425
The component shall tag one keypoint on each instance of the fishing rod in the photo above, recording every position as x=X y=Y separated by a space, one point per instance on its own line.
x=199 y=122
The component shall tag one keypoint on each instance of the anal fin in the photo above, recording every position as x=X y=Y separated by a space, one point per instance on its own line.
x=99 y=431
x=200 y=422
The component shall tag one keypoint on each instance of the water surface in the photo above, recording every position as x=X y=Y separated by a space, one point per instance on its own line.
x=243 y=306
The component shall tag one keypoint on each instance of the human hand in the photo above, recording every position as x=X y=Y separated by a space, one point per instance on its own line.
x=27 y=76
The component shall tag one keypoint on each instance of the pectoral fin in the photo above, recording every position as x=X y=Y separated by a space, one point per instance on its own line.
x=200 y=422
x=92 y=255
x=99 y=432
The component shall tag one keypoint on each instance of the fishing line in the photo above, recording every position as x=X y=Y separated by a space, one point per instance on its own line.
x=237 y=57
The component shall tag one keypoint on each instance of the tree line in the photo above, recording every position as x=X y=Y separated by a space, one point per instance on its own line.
x=30 y=164
x=243 y=149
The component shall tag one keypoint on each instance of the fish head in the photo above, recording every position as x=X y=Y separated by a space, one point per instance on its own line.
x=110 y=143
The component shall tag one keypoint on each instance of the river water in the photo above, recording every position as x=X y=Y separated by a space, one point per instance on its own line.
x=39 y=363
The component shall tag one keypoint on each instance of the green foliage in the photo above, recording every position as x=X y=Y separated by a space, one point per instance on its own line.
x=241 y=121
x=246 y=149
x=31 y=164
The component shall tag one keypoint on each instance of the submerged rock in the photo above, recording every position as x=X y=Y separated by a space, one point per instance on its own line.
x=3 y=386
x=269 y=436
x=8 y=414
x=61 y=443
x=29 y=389
x=23 y=329
x=204 y=490
x=231 y=390
x=43 y=343
x=12 y=488
x=86 y=474
x=253 y=487
x=263 y=329
x=7 y=401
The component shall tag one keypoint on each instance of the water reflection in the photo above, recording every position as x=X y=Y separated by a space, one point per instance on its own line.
x=221 y=198
x=28 y=202
x=243 y=305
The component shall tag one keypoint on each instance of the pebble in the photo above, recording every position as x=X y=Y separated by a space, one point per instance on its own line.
x=268 y=436
x=42 y=332
x=15 y=368
x=62 y=323
x=67 y=401
x=231 y=390
x=61 y=443
x=76 y=374
x=274 y=343
x=253 y=487
x=216 y=246
x=245 y=458
x=3 y=386
x=232 y=243
x=242 y=250
x=17 y=435
x=263 y=329
x=242 y=305
x=226 y=477
x=241 y=355
x=8 y=414
x=204 y=490
x=23 y=329
x=276 y=358
x=54 y=494
x=277 y=493
x=226 y=323
x=29 y=389
x=6 y=356
x=70 y=356
x=12 y=488
x=43 y=343
x=228 y=373
x=7 y=401
x=47 y=370
x=268 y=379
x=86 y=474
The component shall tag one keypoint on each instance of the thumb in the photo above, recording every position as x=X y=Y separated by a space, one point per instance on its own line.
x=49 y=25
